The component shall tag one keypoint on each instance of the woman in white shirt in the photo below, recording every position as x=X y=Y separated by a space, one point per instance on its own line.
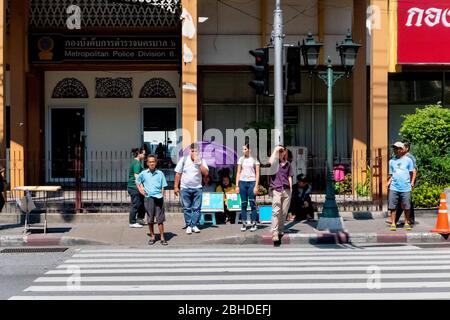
x=247 y=180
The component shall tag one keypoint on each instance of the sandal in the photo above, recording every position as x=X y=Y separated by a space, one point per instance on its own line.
x=151 y=241
x=164 y=242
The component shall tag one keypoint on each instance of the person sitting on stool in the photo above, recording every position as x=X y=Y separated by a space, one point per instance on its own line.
x=301 y=204
x=227 y=187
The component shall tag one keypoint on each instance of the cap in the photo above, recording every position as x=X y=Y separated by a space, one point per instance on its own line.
x=399 y=144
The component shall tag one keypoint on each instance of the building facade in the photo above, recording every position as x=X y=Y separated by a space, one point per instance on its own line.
x=105 y=76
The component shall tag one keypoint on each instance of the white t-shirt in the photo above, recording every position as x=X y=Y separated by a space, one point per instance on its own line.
x=191 y=176
x=248 y=165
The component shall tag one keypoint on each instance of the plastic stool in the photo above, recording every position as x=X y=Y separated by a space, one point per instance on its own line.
x=265 y=214
x=202 y=218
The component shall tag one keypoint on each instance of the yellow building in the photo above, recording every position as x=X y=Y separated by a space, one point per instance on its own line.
x=110 y=75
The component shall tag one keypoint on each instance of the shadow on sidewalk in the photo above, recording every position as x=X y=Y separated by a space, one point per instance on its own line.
x=167 y=235
x=10 y=226
x=312 y=224
x=344 y=246
x=51 y=230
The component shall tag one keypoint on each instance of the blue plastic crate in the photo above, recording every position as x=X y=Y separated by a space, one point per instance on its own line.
x=265 y=213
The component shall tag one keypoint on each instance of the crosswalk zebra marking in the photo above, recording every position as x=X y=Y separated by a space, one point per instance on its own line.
x=239 y=255
x=341 y=248
x=248 y=269
x=247 y=275
x=253 y=297
x=242 y=264
x=262 y=277
x=236 y=286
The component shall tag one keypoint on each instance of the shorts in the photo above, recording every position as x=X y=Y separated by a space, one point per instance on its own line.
x=396 y=197
x=155 y=209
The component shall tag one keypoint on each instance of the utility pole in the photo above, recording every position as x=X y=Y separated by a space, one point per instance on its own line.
x=278 y=36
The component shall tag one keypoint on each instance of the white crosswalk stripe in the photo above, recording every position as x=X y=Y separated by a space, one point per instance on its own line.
x=247 y=274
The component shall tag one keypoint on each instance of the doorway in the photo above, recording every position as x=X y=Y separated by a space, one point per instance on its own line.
x=67 y=142
x=159 y=135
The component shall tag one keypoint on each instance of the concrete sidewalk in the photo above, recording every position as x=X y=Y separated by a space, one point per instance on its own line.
x=113 y=229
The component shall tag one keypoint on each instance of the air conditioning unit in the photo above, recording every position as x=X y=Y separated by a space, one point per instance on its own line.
x=299 y=160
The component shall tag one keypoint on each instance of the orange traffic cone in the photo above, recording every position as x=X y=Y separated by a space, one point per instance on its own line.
x=442 y=219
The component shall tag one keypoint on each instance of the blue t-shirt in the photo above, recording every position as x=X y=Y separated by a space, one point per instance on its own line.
x=400 y=168
x=153 y=182
x=409 y=155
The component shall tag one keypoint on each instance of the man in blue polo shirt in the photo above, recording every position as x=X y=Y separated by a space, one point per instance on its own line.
x=151 y=184
x=401 y=172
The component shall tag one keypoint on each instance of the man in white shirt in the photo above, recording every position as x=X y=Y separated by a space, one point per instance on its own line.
x=189 y=171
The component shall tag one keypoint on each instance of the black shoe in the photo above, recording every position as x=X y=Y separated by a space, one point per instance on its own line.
x=164 y=242
x=151 y=241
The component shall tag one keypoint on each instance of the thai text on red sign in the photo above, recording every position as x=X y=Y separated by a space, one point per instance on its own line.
x=423 y=32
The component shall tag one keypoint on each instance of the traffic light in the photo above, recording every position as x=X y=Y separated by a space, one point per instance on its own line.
x=261 y=71
x=293 y=70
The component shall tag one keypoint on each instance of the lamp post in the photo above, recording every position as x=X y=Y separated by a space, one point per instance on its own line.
x=330 y=219
x=278 y=36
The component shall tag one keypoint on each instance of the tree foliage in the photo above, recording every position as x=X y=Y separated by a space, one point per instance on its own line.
x=428 y=130
x=428 y=126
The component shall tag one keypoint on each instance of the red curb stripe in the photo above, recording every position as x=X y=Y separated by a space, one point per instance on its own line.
x=332 y=238
x=267 y=239
x=392 y=237
x=285 y=239
x=42 y=240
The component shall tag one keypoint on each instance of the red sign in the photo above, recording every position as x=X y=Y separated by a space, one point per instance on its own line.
x=424 y=32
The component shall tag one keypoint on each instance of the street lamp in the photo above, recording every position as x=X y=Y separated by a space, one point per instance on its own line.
x=310 y=52
x=348 y=51
x=330 y=219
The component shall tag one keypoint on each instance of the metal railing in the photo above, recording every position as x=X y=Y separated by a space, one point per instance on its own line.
x=98 y=183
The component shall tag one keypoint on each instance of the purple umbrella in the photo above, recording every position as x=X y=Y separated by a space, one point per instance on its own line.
x=215 y=155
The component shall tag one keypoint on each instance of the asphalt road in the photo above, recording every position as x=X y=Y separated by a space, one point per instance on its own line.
x=19 y=270
x=230 y=272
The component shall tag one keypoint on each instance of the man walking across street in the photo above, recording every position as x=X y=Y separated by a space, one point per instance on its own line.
x=401 y=170
x=281 y=187
x=189 y=171
x=151 y=184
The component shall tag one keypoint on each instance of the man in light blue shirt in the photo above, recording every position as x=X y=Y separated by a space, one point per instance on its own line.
x=399 y=208
x=151 y=184
x=189 y=171
x=400 y=182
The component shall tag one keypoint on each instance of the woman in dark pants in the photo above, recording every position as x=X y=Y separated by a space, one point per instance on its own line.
x=137 y=210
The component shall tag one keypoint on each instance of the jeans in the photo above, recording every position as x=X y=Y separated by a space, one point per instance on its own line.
x=246 y=192
x=191 y=200
x=137 y=205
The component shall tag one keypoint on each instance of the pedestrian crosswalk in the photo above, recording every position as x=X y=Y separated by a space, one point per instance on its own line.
x=247 y=273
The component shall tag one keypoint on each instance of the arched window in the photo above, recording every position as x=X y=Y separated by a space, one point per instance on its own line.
x=70 y=88
x=113 y=87
x=157 y=88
